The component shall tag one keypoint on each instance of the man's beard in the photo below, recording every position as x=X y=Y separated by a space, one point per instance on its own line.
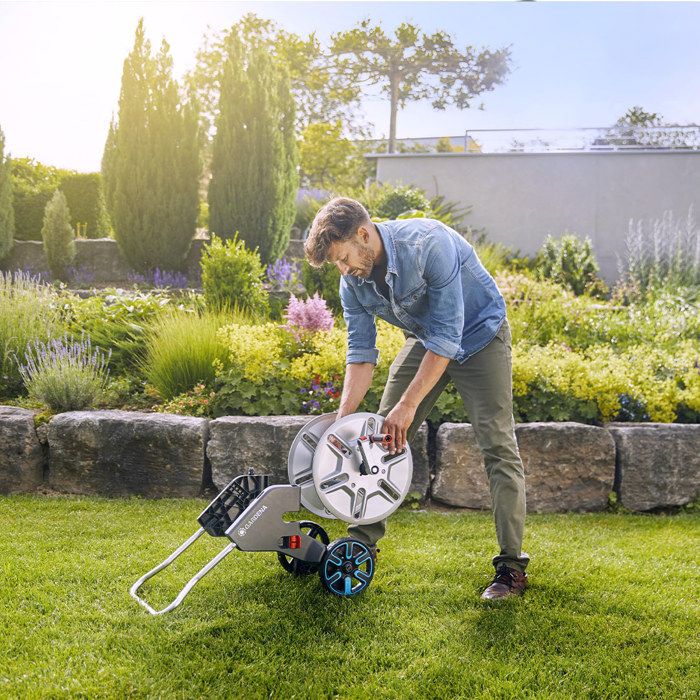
x=367 y=258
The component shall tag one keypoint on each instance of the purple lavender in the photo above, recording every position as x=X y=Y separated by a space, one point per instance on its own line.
x=65 y=374
x=39 y=276
x=159 y=278
x=80 y=276
x=283 y=274
x=312 y=315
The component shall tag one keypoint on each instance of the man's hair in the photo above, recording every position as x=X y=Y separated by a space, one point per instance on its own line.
x=336 y=221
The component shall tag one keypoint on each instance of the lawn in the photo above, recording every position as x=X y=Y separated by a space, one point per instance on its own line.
x=612 y=610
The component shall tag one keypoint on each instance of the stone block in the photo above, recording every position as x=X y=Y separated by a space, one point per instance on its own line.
x=568 y=467
x=125 y=453
x=21 y=456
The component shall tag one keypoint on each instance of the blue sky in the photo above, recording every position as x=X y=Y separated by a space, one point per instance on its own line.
x=574 y=63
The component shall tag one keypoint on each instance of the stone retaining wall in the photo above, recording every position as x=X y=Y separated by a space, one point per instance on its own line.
x=568 y=466
x=101 y=258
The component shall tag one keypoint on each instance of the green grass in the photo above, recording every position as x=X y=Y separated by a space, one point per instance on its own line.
x=612 y=610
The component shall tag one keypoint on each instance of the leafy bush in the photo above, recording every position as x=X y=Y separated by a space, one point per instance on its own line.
x=29 y=311
x=86 y=201
x=33 y=185
x=570 y=262
x=117 y=319
x=543 y=312
x=181 y=347
x=58 y=235
x=196 y=402
x=267 y=372
x=232 y=277
x=325 y=281
x=63 y=374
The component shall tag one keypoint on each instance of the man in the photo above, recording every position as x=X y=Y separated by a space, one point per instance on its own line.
x=425 y=278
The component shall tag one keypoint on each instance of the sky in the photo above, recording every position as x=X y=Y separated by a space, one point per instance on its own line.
x=574 y=64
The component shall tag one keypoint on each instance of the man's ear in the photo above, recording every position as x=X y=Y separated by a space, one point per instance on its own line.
x=363 y=234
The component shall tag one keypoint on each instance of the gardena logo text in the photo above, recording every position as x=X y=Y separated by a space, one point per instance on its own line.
x=254 y=517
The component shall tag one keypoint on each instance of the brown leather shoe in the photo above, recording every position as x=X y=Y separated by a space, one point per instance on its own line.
x=505 y=583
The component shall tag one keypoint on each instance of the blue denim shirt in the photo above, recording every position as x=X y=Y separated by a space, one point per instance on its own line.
x=439 y=291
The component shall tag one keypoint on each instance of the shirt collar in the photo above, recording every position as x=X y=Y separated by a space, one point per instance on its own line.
x=389 y=250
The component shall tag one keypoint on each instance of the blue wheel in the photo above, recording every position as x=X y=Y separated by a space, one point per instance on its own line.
x=347 y=567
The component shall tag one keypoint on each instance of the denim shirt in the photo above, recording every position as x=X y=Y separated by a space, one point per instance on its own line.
x=439 y=291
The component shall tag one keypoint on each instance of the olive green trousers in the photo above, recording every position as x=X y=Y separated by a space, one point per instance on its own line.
x=484 y=382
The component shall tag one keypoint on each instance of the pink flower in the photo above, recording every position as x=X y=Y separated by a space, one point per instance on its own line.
x=311 y=315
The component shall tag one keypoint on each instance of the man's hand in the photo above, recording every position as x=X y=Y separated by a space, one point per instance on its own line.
x=397 y=423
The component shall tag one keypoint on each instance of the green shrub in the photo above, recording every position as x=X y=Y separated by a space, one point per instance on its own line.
x=33 y=185
x=86 y=202
x=63 y=374
x=117 y=319
x=570 y=262
x=541 y=312
x=181 y=347
x=326 y=281
x=29 y=311
x=232 y=277
x=58 y=236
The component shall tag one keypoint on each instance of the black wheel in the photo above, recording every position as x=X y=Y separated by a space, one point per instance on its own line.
x=347 y=567
x=297 y=566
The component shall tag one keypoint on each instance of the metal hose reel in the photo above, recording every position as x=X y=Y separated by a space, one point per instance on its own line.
x=337 y=469
x=345 y=469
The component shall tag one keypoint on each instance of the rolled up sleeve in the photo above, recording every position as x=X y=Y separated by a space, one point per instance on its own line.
x=362 y=330
x=445 y=294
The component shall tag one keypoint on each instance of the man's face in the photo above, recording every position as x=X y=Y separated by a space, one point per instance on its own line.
x=352 y=257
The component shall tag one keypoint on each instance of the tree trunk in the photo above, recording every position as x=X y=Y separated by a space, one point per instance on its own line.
x=394 y=86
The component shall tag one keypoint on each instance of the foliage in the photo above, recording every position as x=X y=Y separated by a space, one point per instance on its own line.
x=196 y=402
x=406 y=66
x=64 y=374
x=542 y=311
x=308 y=202
x=325 y=281
x=664 y=257
x=329 y=160
x=570 y=262
x=29 y=311
x=181 y=347
x=232 y=276
x=254 y=178
x=58 y=235
x=319 y=94
x=33 y=185
x=306 y=374
x=86 y=202
x=116 y=319
x=152 y=162
x=7 y=214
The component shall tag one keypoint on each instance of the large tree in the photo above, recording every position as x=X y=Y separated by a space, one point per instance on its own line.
x=7 y=218
x=318 y=95
x=415 y=66
x=152 y=162
x=254 y=162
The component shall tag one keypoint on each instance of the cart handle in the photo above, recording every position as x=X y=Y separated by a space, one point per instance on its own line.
x=190 y=584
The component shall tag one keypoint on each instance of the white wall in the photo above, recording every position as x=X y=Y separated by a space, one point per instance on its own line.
x=519 y=198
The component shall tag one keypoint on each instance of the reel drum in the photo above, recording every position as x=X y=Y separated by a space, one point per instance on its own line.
x=355 y=478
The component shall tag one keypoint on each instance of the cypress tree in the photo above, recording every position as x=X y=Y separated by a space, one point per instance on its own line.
x=154 y=162
x=7 y=214
x=254 y=174
x=107 y=166
x=58 y=235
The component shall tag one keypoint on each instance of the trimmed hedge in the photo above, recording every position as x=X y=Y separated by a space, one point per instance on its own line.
x=86 y=201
